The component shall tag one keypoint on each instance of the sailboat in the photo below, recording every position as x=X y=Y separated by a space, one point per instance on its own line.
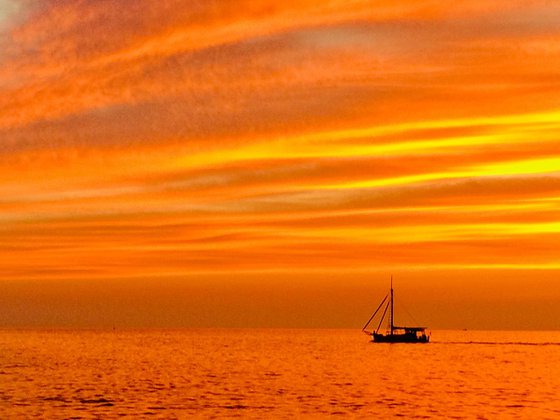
x=395 y=334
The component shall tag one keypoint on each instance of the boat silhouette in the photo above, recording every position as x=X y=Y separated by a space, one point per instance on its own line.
x=394 y=334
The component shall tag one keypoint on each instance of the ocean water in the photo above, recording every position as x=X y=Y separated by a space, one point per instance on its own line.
x=277 y=374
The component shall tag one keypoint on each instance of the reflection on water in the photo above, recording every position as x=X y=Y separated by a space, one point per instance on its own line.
x=277 y=373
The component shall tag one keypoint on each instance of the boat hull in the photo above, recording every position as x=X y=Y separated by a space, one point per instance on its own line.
x=400 y=338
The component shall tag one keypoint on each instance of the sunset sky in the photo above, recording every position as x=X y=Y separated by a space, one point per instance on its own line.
x=272 y=163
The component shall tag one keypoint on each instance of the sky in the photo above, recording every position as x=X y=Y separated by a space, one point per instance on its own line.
x=257 y=163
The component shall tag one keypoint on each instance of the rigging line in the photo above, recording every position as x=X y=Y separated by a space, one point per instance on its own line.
x=408 y=313
x=383 y=316
x=375 y=313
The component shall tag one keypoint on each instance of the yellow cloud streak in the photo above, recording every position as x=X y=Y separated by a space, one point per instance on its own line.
x=330 y=143
x=431 y=233
x=539 y=204
x=473 y=266
x=512 y=168
x=269 y=239
x=551 y=117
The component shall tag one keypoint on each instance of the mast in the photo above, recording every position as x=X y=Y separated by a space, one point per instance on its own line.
x=392 y=326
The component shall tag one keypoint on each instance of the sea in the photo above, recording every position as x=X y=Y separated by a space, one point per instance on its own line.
x=277 y=374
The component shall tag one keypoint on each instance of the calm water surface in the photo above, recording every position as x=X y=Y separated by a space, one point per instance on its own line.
x=277 y=374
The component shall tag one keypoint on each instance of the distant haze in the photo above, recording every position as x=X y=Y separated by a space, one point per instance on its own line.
x=447 y=300
x=257 y=163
